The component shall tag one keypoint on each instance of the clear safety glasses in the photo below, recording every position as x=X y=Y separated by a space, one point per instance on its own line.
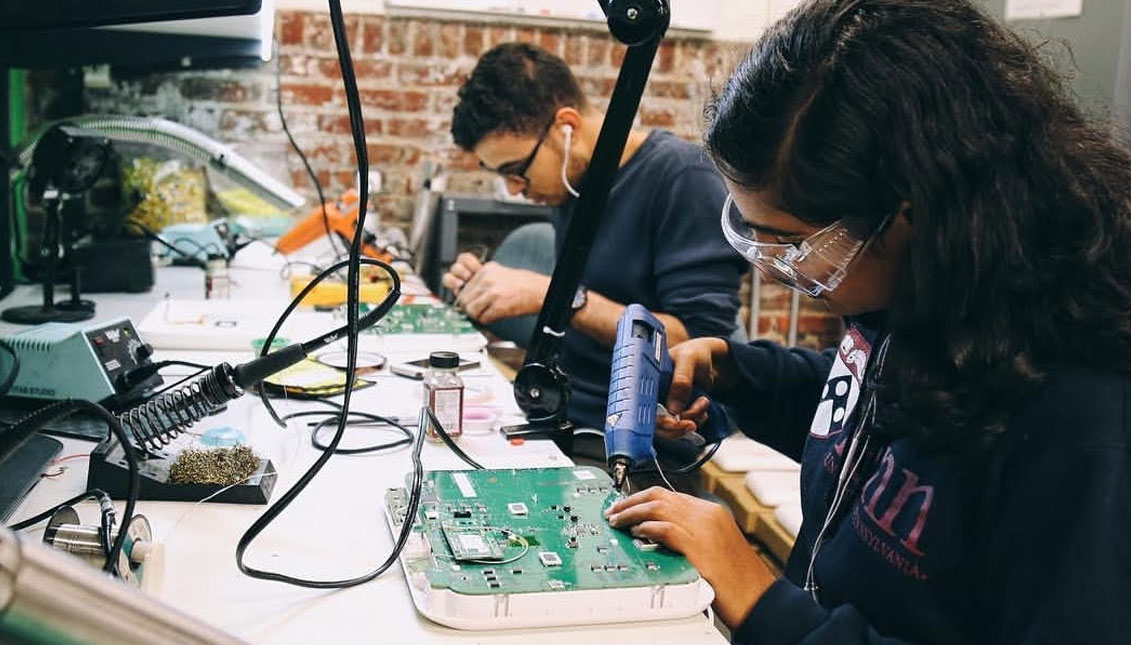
x=813 y=266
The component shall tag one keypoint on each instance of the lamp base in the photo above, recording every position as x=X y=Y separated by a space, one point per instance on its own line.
x=61 y=312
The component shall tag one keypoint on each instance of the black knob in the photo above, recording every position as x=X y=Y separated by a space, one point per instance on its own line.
x=143 y=353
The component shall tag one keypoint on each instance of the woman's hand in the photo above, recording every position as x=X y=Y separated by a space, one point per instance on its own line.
x=707 y=535
x=699 y=364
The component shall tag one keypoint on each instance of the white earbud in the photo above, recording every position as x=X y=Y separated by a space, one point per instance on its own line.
x=567 y=130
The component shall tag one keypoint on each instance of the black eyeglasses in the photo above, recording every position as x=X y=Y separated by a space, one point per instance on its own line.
x=516 y=170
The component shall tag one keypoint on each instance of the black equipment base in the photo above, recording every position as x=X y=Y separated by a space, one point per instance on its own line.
x=114 y=266
x=61 y=312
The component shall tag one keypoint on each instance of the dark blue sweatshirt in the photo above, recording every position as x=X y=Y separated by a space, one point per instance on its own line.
x=659 y=244
x=1029 y=542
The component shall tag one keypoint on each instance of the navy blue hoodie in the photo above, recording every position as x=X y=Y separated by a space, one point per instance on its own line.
x=1028 y=542
x=659 y=244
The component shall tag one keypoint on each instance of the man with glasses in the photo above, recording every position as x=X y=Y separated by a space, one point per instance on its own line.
x=522 y=113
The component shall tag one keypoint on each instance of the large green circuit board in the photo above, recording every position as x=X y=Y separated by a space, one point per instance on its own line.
x=424 y=318
x=527 y=530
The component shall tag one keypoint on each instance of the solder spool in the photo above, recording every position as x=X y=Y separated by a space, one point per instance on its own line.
x=64 y=532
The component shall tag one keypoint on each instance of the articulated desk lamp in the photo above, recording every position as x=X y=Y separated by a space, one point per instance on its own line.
x=541 y=387
x=190 y=143
x=66 y=158
x=65 y=164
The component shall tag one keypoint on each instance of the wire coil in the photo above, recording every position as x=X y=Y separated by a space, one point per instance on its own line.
x=156 y=423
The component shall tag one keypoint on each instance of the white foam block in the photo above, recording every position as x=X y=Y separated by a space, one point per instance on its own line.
x=741 y=454
x=789 y=516
x=775 y=487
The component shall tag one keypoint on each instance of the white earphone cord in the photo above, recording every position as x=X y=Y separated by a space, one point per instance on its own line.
x=568 y=130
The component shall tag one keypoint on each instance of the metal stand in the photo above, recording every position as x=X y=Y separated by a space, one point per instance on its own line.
x=541 y=387
x=73 y=310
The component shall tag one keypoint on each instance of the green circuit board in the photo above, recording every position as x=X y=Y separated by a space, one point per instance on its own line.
x=424 y=318
x=484 y=532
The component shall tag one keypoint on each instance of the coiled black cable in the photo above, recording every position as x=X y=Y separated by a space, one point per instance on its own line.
x=352 y=332
x=367 y=419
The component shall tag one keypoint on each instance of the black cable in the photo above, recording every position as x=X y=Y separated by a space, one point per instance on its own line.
x=199 y=366
x=368 y=320
x=105 y=504
x=15 y=436
x=352 y=333
x=285 y=270
x=447 y=439
x=371 y=419
x=93 y=493
x=294 y=144
x=178 y=383
x=155 y=237
x=130 y=379
x=689 y=468
x=200 y=248
x=10 y=379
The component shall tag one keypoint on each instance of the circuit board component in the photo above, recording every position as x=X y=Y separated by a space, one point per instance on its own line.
x=528 y=531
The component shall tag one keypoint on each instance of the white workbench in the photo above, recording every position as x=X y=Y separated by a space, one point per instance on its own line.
x=335 y=529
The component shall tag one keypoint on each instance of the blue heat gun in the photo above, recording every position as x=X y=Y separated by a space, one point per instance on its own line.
x=640 y=378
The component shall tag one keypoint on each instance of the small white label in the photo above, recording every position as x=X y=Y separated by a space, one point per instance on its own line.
x=447 y=404
x=584 y=474
x=112 y=365
x=465 y=487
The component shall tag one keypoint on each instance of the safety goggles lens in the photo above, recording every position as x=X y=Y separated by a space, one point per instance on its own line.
x=814 y=266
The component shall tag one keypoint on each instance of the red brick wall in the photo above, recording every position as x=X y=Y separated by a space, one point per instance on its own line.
x=408 y=73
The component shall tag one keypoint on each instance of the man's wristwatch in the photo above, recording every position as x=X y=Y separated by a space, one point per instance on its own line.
x=580 y=297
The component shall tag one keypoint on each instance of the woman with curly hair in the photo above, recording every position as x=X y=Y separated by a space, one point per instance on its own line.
x=964 y=451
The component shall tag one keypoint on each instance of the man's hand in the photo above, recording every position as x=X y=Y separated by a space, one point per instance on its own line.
x=462 y=270
x=707 y=535
x=698 y=364
x=495 y=292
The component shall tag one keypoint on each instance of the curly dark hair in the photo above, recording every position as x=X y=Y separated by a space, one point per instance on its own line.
x=1020 y=258
x=515 y=88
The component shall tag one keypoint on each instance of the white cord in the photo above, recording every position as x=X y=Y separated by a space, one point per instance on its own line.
x=172 y=530
x=568 y=130
x=834 y=507
x=851 y=463
x=664 y=477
